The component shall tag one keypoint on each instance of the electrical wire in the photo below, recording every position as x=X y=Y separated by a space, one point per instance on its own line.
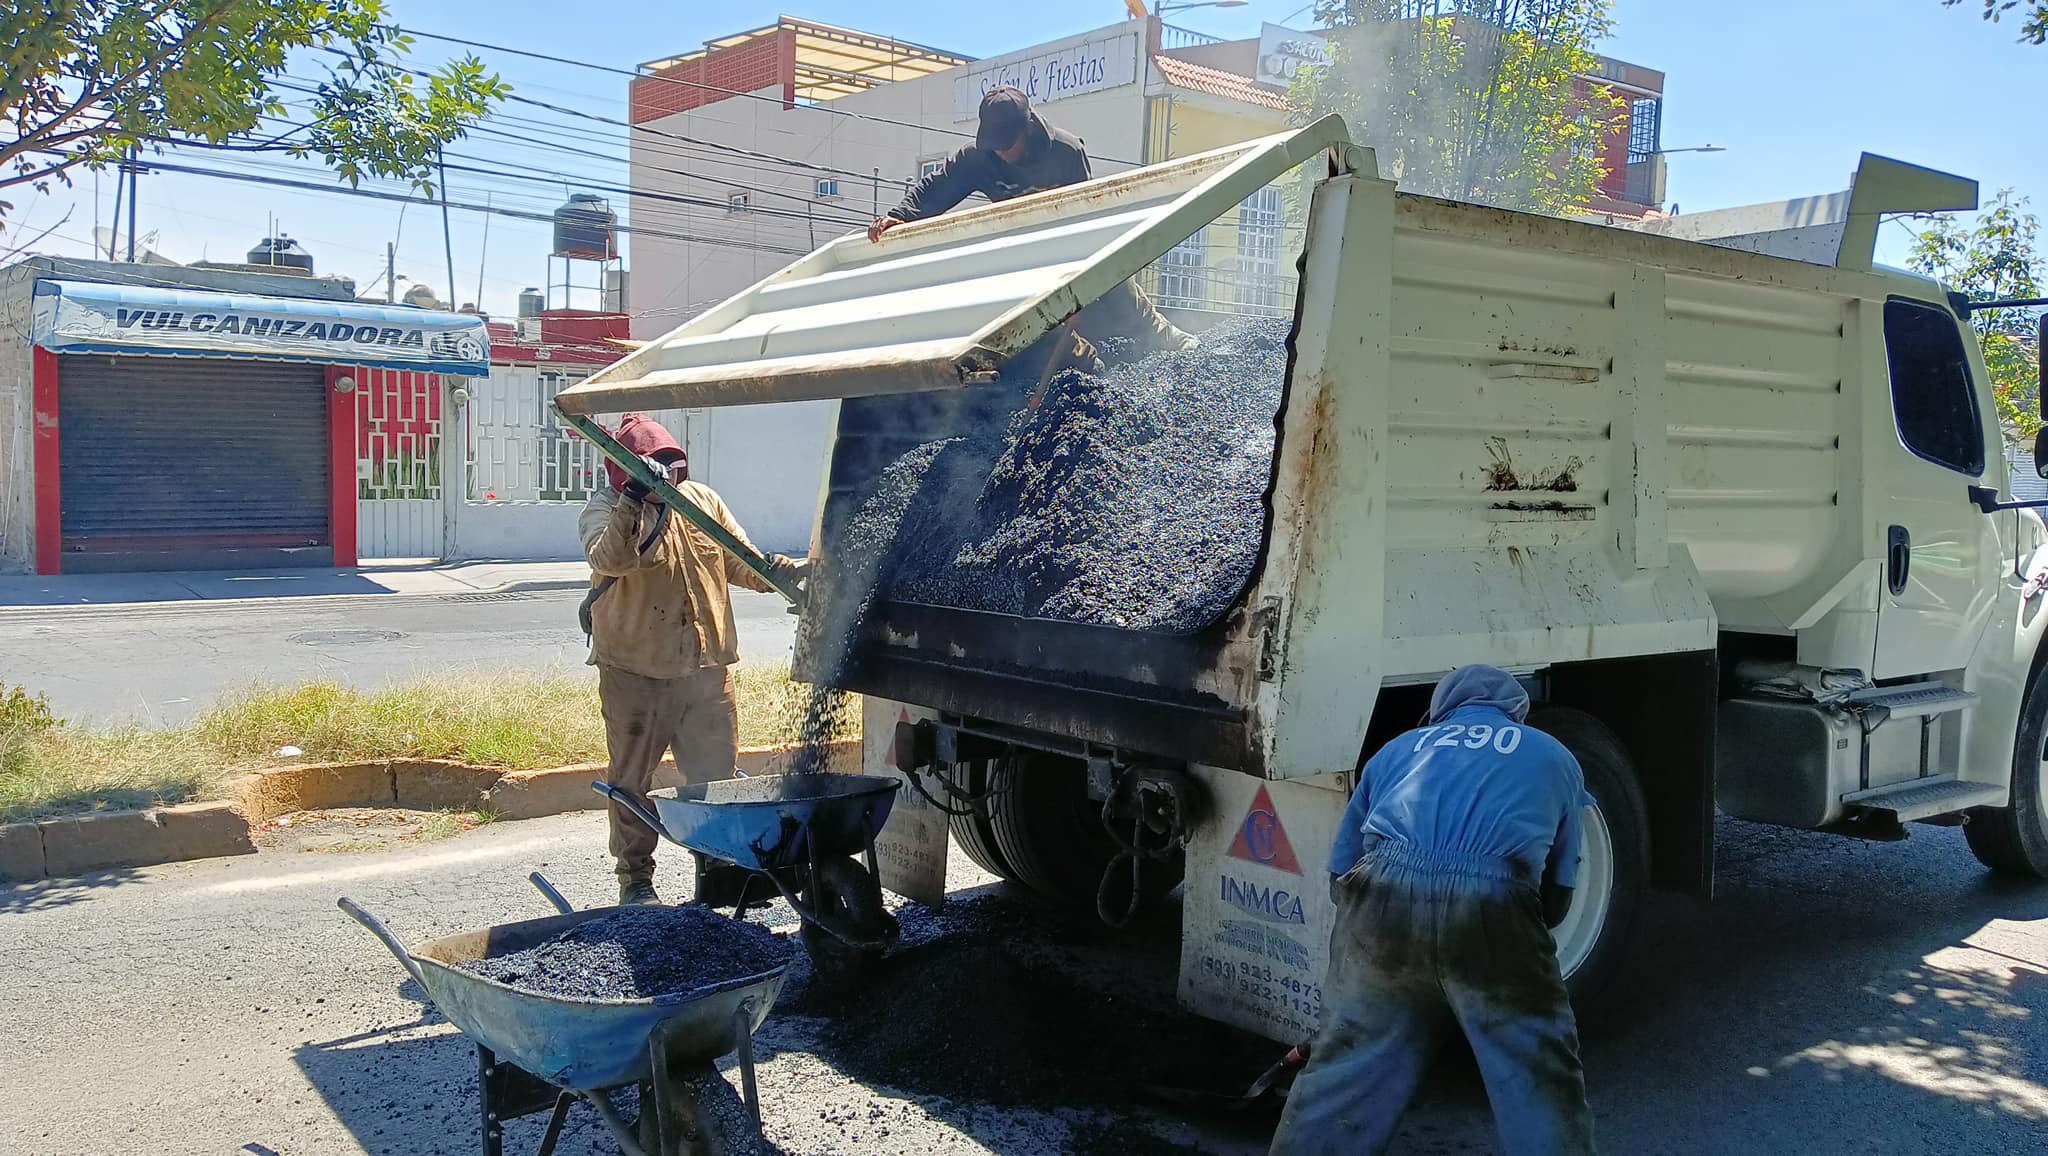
x=521 y=214
x=731 y=92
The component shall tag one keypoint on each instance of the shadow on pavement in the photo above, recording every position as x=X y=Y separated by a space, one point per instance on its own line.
x=405 y=1092
x=1831 y=994
x=42 y=895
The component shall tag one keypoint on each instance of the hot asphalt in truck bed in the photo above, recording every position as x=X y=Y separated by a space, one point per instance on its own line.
x=1130 y=498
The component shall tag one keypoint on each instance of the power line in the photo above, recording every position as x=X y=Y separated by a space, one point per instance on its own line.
x=522 y=214
x=732 y=92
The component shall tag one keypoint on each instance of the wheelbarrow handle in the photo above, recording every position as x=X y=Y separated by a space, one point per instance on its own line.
x=546 y=887
x=382 y=932
x=631 y=804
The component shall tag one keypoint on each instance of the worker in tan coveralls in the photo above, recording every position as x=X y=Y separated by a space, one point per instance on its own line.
x=663 y=641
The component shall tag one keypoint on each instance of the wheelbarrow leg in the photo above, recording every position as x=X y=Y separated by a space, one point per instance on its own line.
x=613 y=1122
x=556 y=1120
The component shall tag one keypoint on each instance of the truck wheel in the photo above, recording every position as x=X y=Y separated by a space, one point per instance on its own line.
x=1616 y=855
x=1050 y=833
x=2013 y=839
x=974 y=832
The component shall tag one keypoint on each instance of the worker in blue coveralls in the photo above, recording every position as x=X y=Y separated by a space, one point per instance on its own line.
x=1457 y=855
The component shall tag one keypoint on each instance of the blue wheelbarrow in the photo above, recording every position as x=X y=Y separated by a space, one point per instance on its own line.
x=800 y=832
x=539 y=1052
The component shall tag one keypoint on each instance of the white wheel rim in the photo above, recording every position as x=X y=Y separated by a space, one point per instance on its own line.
x=1580 y=931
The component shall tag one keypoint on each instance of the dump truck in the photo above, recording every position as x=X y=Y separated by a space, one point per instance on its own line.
x=1728 y=504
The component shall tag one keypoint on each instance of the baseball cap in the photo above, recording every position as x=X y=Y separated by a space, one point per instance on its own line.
x=1004 y=112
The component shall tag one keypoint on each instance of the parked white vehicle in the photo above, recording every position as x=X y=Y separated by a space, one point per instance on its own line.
x=1727 y=510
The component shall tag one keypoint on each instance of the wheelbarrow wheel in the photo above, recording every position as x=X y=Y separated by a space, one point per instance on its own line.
x=847 y=897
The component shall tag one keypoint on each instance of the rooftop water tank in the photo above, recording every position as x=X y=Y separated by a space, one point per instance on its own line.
x=281 y=251
x=531 y=302
x=586 y=229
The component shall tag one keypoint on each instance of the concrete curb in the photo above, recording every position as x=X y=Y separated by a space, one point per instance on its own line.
x=76 y=844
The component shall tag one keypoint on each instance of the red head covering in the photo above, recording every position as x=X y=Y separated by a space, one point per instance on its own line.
x=650 y=439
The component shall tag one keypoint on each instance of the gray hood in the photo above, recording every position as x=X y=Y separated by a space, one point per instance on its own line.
x=1479 y=686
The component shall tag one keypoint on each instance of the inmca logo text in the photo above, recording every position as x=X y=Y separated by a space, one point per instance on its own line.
x=282 y=328
x=1271 y=904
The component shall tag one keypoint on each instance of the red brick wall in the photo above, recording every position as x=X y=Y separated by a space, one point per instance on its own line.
x=765 y=62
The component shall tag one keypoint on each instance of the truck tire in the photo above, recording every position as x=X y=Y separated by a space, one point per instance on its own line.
x=1050 y=833
x=1616 y=858
x=975 y=832
x=2013 y=839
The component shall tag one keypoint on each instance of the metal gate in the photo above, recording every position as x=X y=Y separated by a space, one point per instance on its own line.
x=399 y=510
x=193 y=463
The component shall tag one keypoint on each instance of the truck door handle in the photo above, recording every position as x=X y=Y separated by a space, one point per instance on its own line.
x=1898 y=558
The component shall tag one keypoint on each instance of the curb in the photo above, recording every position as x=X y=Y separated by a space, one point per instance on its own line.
x=77 y=844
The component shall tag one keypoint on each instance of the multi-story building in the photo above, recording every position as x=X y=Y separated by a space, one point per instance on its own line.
x=763 y=145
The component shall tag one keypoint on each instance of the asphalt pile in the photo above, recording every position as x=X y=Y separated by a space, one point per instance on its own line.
x=639 y=953
x=985 y=1020
x=1133 y=497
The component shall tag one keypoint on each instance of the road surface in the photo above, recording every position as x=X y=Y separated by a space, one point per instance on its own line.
x=1838 y=997
x=161 y=663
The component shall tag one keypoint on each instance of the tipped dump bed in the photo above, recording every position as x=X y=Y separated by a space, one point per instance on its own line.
x=940 y=303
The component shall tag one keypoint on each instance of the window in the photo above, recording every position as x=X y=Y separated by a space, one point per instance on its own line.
x=736 y=202
x=927 y=168
x=1645 y=128
x=1932 y=398
x=1258 y=251
x=1181 y=274
x=828 y=188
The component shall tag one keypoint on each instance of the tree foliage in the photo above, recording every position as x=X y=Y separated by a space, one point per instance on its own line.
x=84 y=81
x=2033 y=26
x=1993 y=257
x=1476 y=100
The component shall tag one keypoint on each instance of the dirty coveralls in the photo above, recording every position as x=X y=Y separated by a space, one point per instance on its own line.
x=663 y=641
x=1439 y=929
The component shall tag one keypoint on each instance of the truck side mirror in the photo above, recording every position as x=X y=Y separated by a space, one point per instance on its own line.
x=2041 y=451
x=2041 y=366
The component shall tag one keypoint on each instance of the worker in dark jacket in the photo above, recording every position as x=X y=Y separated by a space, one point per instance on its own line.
x=1457 y=855
x=1014 y=153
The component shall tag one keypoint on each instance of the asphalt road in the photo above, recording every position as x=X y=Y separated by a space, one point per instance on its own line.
x=163 y=662
x=1837 y=997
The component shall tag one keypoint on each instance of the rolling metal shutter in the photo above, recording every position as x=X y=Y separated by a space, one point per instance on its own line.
x=193 y=462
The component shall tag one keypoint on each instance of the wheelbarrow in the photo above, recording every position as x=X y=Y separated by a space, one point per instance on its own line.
x=538 y=1052
x=800 y=832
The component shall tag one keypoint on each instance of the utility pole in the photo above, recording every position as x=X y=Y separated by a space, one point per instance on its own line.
x=447 y=238
x=390 y=273
x=134 y=195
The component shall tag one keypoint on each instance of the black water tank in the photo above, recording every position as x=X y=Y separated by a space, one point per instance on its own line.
x=531 y=302
x=586 y=229
x=281 y=251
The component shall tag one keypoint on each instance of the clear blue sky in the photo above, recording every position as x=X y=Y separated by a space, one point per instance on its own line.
x=1795 y=90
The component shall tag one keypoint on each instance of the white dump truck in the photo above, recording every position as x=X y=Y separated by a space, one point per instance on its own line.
x=1733 y=513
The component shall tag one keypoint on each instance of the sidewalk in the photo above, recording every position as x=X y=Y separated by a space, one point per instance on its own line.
x=408 y=578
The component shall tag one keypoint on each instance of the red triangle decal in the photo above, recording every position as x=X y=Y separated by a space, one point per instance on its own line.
x=1261 y=838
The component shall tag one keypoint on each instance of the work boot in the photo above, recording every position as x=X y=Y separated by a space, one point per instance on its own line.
x=638 y=893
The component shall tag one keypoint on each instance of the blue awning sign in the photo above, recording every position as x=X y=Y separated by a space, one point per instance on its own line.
x=91 y=317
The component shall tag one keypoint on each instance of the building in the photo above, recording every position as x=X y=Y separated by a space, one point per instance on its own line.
x=138 y=433
x=765 y=144
x=157 y=417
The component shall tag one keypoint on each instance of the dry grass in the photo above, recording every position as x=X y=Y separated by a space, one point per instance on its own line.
x=515 y=721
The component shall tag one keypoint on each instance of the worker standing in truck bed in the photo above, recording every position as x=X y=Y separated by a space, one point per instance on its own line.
x=1456 y=856
x=1014 y=153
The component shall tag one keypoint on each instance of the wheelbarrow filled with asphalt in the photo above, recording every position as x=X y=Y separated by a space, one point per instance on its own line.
x=541 y=1053
x=801 y=832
